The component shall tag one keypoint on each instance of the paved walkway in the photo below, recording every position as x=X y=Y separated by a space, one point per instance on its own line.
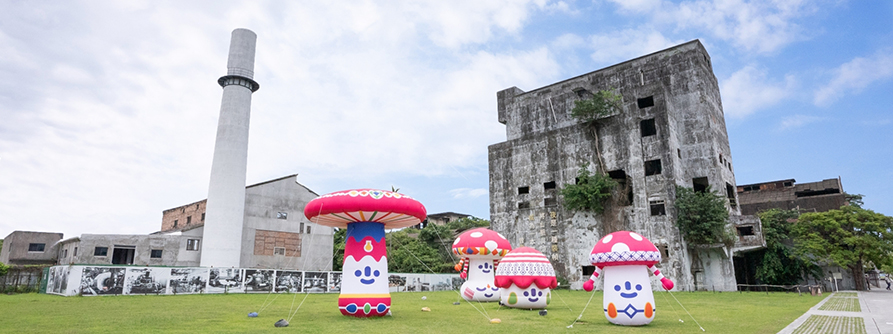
x=868 y=312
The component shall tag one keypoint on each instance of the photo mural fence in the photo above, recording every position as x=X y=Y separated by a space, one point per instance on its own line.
x=92 y=280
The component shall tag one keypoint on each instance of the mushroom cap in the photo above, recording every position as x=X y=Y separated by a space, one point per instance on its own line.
x=392 y=209
x=481 y=243
x=525 y=266
x=624 y=248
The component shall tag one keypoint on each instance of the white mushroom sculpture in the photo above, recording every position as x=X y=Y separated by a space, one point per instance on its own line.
x=527 y=279
x=480 y=250
x=624 y=259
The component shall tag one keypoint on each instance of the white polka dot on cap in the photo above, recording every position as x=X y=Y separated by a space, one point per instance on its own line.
x=477 y=235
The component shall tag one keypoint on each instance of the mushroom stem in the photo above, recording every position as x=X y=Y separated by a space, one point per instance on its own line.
x=365 y=271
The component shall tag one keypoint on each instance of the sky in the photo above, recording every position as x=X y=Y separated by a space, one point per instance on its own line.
x=108 y=109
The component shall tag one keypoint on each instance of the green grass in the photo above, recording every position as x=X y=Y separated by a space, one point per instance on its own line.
x=748 y=312
x=836 y=303
x=831 y=324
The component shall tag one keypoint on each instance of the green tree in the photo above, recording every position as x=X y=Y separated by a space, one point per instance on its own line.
x=588 y=111
x=3 y=269
x=780 y=265
x=338 y=248
x=589 y=193
x=462 y=224
x=850 y=237
x=407 y=254
x=702 y=217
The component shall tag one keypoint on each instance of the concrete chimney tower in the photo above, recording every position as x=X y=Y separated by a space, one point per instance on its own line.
x=225 y=209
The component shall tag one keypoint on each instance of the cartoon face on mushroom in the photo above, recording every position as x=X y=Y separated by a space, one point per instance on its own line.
x=624 y=259
x=480 y=250
x=527 y=279
x=365 y=213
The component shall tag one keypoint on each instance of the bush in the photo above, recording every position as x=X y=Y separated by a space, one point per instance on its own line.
x=590 y=192
x=702 y=217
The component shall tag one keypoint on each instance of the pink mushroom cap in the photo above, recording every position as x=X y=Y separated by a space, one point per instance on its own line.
x=525 y=266
x=624 y=248
x=393 y=210
x=481 y=243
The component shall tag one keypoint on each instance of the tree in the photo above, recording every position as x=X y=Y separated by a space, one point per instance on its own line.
x=850 y=237
x=702 y=217
x=407 y=254
x=462 y=224
x=338 y=248
x=854 y=199
x=780 y=266
x=3 y=269
x=603 y=103
x=589 y=193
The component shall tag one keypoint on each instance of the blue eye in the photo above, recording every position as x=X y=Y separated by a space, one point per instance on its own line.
x=526 y=294
x=481 y=267
x=616 y=287
x=358 y=273
x=639 y=287
x=377 y=273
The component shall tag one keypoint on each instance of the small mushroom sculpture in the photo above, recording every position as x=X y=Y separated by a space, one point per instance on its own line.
x=480 y=249
x=624 y=259
x=366 y=213
x=527 y=279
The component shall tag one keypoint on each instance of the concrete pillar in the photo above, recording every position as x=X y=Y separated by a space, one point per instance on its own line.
x=225 y=209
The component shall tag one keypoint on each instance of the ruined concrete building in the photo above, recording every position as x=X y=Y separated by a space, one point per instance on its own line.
x=671 y=131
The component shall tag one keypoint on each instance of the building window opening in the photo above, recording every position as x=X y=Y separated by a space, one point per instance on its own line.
x=745 y=230
x=549 y=185
x=645 y=102
x=279 y=251
x=623 y=185
x=730 y=193
x=789 y=184
x=101 y=251
x=64 y=253
x=75 y=252
x=664 y=252
x=658 y=208
x=301 y=228
x=679 y=153
x=700 y=184
x=582 y=93
x=652 y=167
x=550 y=201
x=188 y=220
x=587 y=271
x=203 y=216
x=282 y=215
x=308 y=229
x=175 y=222
x=523 y=190
x=156 y=254
x=192 y=244
x=35 y=247
x=123 y=254
x=647 y=127
x=524 y=205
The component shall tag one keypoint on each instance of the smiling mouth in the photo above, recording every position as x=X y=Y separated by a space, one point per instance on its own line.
x=486 y=271
x=629 y=295
x=367 y=281
x=533 y=300
x=488 y=295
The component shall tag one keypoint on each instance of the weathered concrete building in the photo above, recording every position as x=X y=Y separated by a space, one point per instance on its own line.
x=27 y=247
x=671 y=131
x=788 y=195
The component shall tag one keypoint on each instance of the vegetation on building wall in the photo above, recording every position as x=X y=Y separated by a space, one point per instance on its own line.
x=702 y=217
x=602 y=103
x=590 y=192
x=780 y=265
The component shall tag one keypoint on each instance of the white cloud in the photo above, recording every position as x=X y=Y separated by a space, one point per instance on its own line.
x=468 y=193
x=797 y=121
x=749 y=90
x=622 y=45
x=855 y=75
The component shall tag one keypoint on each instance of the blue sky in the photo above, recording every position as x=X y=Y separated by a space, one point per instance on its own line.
x=108 y=110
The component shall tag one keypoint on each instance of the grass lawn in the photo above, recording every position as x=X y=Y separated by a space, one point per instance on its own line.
x=730 y=312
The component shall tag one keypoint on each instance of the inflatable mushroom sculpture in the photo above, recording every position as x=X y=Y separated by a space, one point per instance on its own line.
x=480 y=250
x=624 y=259
x=366 y=213
x=527 y=279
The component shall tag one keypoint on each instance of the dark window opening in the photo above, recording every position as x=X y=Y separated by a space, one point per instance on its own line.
x=652 y=167
x=156 y=254
x=582 y=93
x=645 y=102
x=810 y=192
x=524 y=205
x=64 y=253
x=576 y=180
x=587 y=271
x=282 y=215
x=549 y=185
x=700 y=184
x=279 y=251
x=192 y=244
x=36 y=247
x=789 y=184
x=745 y=230
x=308 y=229
x=623 y=183
x=175 y=222
x=664 y=252
x=550 y=201
x=730 y=193
x=75 y=252
x=523 y=190
x=188 y=220
x=123 y=255
x=658 y=208
x=679 y=153
x=648 y=128
x=203 y=216
x=101 y=251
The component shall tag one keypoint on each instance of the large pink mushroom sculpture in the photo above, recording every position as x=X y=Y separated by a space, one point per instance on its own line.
x=366 y=213
x=527 y=279
x=624 y=259
x=480 y=250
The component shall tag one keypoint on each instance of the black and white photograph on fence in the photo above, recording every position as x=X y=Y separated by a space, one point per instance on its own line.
x=334 y=281
x=221 y=280
x=102 y=281
x=64 y=278
x=146 y=281
x=258 y=280
x=51 y=280
x=422 y=282
x=315 y=281
x=188 y=280
x=289 y=281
